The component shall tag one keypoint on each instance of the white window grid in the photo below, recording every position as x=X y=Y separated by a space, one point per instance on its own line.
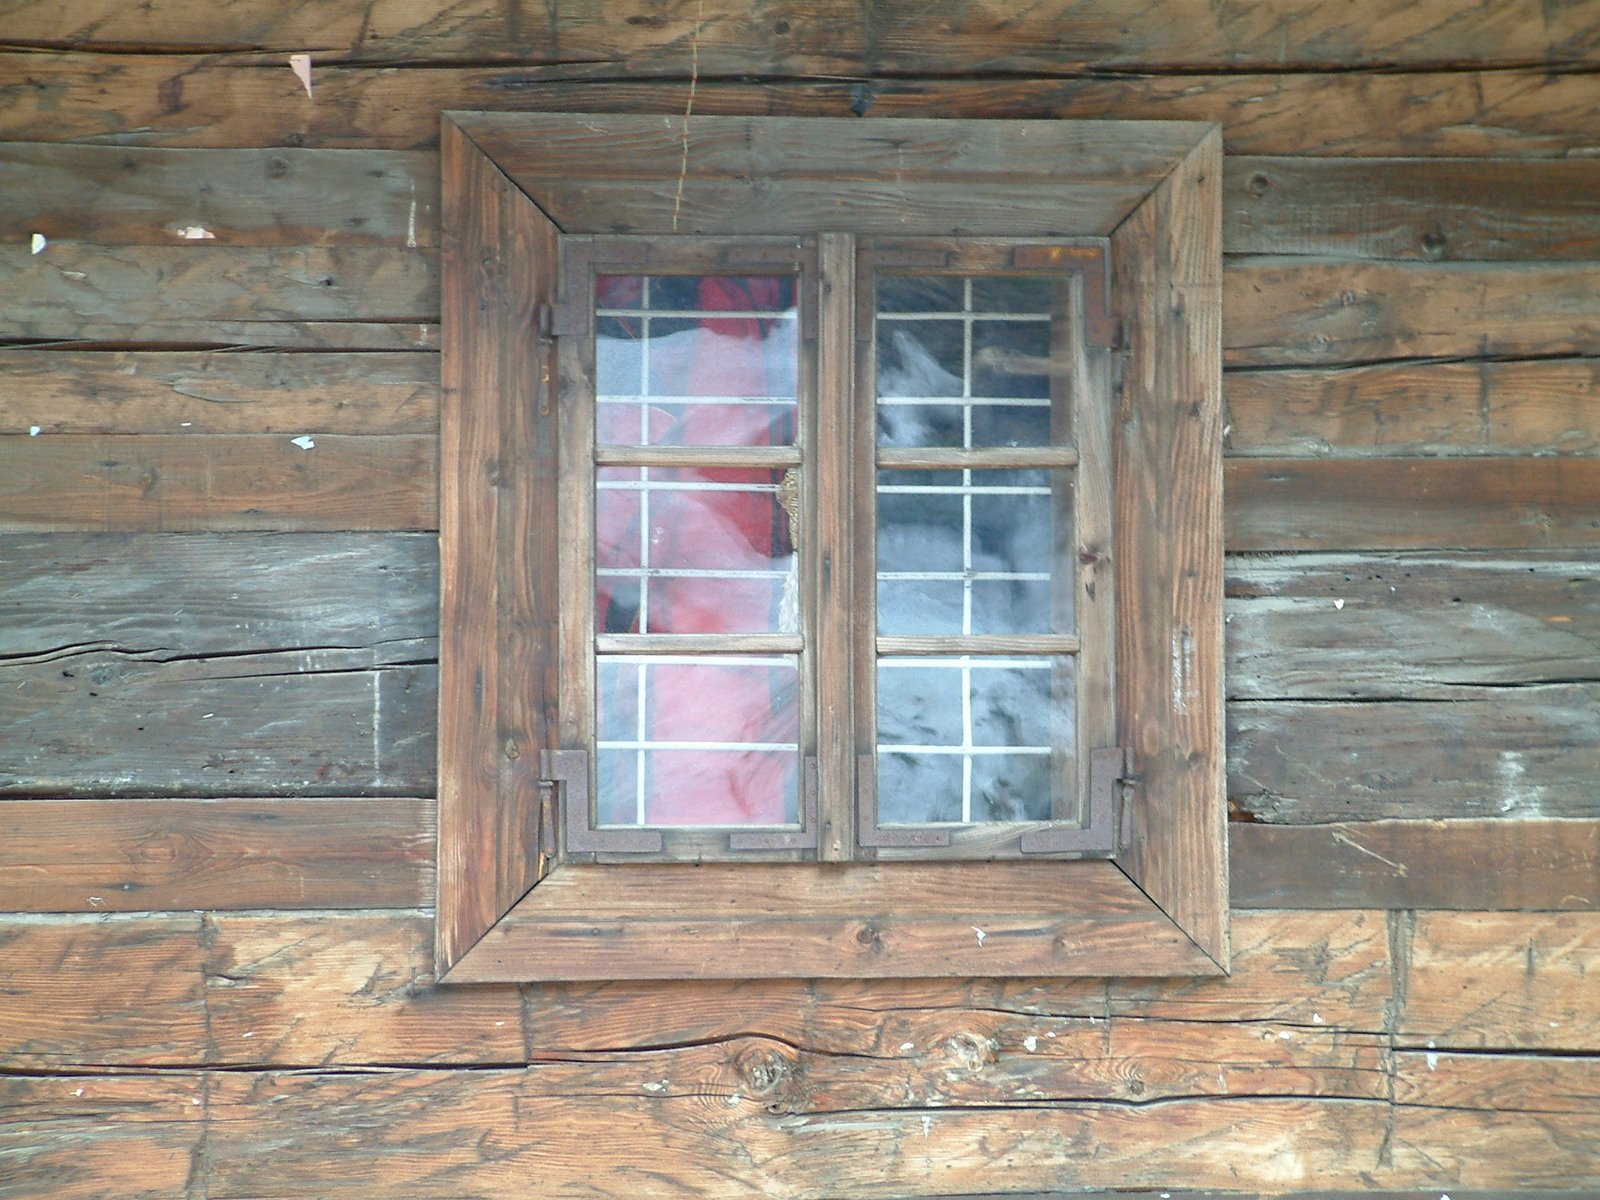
x=641 y=744
x=640 y=480
x=967 y=749
x=645 y=314
x=967 y=489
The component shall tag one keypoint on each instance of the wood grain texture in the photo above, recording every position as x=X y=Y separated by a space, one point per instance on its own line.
x=1516 y=753
x=236 y=101
x=497 y=542
x=1289 y=310
x=816 y=38
x=127 y=195
x=153 y=855
x=161 y=482
x=318 y=722
x=1412 y=503
x=1462 y=864
x=1364 y=208
x=905 y=920
x=336 y=297
x=65 y=855
x=1409 y=625
x=1429 y=209
x=1167 y=523
x=1396 y=409
x=1480 y=981
x=85 y=1138
x=357 y=989
x=150 y=391
x=68 y=996
x=190 y=595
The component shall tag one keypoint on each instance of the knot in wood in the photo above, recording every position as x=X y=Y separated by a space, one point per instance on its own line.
x=767 y=1071
x=971 y=1052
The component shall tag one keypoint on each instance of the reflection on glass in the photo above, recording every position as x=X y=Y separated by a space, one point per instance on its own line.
x=971 y=740
x=697 y=741
x=965 y=361
x=974 y=552
x=695 y=550
x=695 y=360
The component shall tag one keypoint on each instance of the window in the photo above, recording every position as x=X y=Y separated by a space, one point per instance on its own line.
x=830 y=527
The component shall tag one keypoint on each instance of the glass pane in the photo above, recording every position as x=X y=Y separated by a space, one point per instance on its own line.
x=695 y=550
x=966 y=361
x=973 y=740
x=698 y=741
x=695 y=360
x=975 y=552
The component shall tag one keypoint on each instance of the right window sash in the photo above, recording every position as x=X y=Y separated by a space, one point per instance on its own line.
x=984 y=595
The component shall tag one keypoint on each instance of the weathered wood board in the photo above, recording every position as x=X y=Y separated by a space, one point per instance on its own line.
x=240 y=717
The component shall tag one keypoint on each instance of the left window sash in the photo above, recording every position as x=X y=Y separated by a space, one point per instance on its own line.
x=687 y=676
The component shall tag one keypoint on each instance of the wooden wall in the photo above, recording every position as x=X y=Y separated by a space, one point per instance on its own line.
x=218 y=411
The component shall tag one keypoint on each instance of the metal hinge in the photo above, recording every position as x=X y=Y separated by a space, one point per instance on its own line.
x=562 y=318
x=568 y=771
x=1102 y=831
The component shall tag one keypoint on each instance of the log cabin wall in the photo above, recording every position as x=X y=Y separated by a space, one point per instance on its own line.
x=218 y=589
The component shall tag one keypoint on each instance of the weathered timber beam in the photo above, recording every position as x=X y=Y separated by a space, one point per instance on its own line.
x=249 y=100
x=833 y=36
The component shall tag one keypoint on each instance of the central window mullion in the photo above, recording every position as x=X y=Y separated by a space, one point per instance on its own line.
x=838 y=443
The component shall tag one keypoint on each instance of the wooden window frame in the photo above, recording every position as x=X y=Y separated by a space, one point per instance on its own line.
x=510 y=908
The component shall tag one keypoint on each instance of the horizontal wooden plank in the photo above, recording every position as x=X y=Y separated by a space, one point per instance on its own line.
x=63 y=1000
x=318 y=722
x=1469 y=864
x=1395 y=409
x=1386 y=208
x=221 y=101
x=64 y=855
x=150 y=391
x=1280 y=310
x=1499 y=981
x=354 y=989
x=158 y=482
x=633 y=39
x=1288 y=310
x=125 y=195
x=1434 y=210
x=1411 y=503
x=190 y=595
x=151 y=855
x=86 y=1138
x=1521 y=753
x=335 y=297
x=1409 y=625
x=248 y=482
x=1491 y=1083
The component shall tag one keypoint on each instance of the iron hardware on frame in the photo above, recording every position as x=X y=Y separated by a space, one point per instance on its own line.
x=1101 y=833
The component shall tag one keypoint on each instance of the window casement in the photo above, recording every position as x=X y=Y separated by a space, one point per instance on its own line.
x=831 y=547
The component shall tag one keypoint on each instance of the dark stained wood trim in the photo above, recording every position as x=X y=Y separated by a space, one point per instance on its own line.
x=1178 y=855
x=1167 y=525
x=497 y=547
